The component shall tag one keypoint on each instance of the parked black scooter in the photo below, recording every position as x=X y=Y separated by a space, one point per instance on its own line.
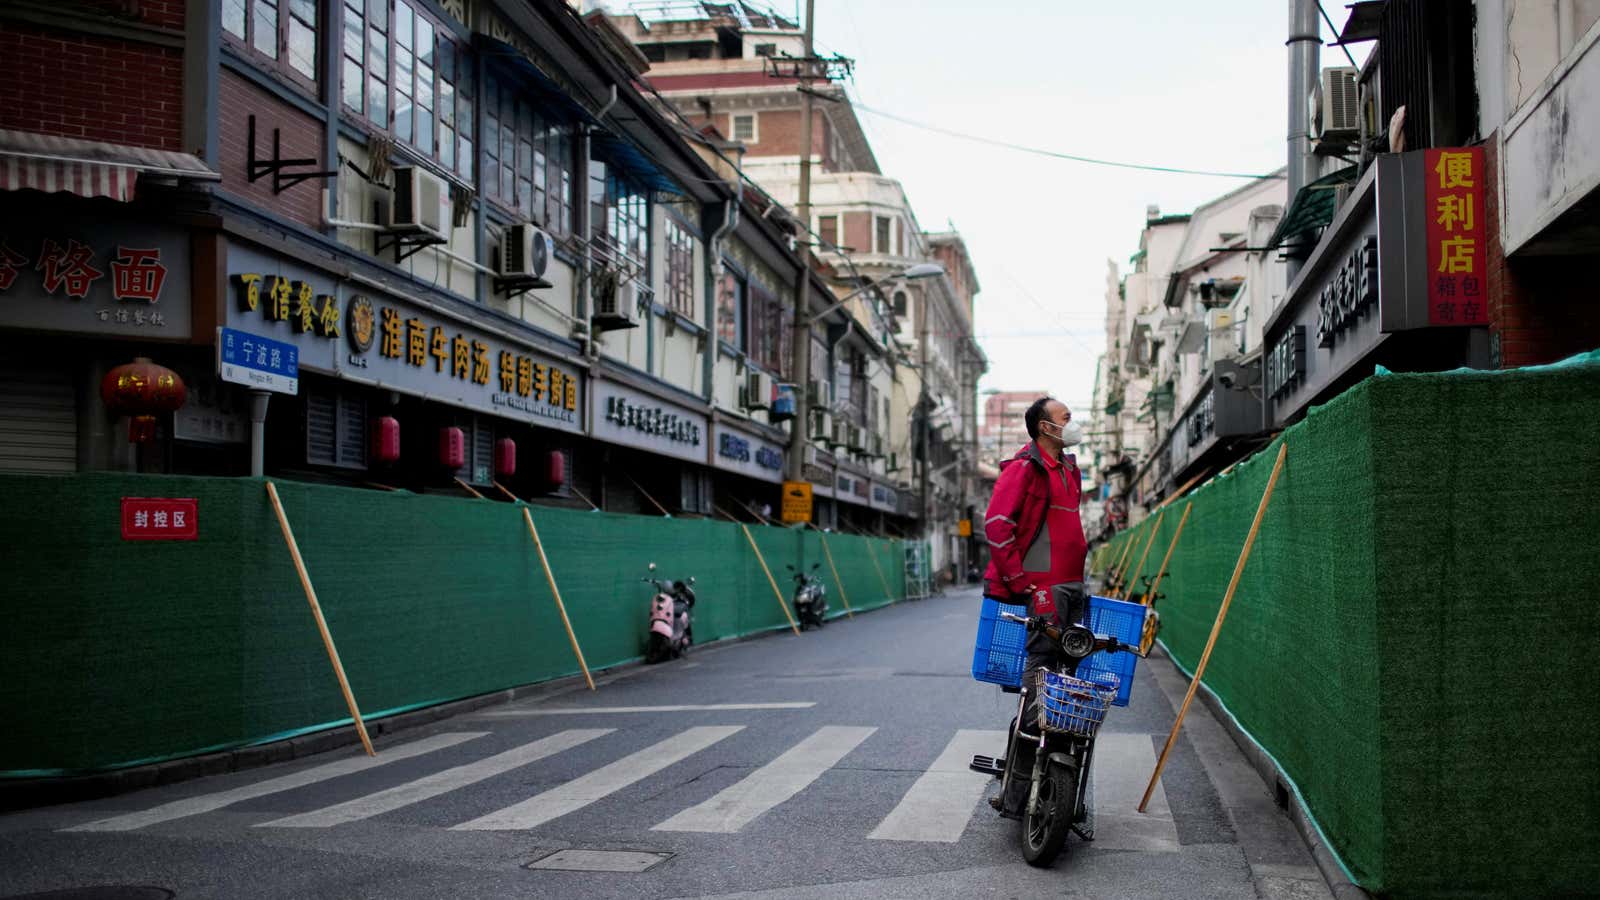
x=671 y=631
x=810 y=597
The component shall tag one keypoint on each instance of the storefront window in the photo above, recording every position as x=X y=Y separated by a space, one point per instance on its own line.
x=427 y=102
x=281 y=35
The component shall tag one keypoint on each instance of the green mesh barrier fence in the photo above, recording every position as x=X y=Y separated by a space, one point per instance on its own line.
x=1409 y=638
x=117 y=653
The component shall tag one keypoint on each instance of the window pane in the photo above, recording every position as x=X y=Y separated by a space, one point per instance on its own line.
x=302 y=48
x=354 y=41
x=233 y=16
x=446 y=104
x=352 y=85
x=424 y=94
x=403 y=21
x=402 y=70
x=265 y=38
x=447 y=147
x=377 y=100
x=464 y=157
x=402 y=116
x=424 y=42
x=378 y=54
x=305 y=11
x=508 y=161
x=424 y=124
x=378 y=14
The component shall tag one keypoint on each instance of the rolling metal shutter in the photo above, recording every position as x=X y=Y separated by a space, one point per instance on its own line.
x=38 y=422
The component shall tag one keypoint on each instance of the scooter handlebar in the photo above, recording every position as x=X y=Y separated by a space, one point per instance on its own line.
x=1101 y=641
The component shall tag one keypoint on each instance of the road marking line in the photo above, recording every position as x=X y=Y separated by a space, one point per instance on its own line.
x=602 y=782
x=940 y=803
x=740 y=804
x=608 y=710
x=438 y=783
x=192 y=806
x=1122 y=766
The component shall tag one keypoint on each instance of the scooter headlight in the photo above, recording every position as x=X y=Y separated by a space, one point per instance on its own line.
x=1077 y=642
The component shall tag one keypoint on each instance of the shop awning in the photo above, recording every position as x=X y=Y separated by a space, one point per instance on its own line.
x=539 y=85
x=1313 y=206
x=43 y=162
x=628 y=160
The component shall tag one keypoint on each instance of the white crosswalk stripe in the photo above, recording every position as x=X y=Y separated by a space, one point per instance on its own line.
x=740 y=804
x=192 y=806
x=1121 y=769
x=439 y=782
x=602 y=782
x=941 y=801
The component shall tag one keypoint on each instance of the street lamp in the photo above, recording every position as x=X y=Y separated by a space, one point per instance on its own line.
x=920 y=270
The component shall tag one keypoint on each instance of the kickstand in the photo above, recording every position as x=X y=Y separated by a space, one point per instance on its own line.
x=1085 y=832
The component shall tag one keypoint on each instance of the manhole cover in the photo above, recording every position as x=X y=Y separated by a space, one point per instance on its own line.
x=100 y=892
x=599 y=860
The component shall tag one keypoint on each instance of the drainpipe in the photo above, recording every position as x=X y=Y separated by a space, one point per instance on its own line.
x=581 y=216
x=1305 y=48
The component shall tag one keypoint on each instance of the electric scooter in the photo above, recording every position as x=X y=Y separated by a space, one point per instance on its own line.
x=810 y=597
x=1045 y=772
x=671 y=631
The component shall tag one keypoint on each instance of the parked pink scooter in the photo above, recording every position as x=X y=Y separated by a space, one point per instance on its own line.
x=671 y=632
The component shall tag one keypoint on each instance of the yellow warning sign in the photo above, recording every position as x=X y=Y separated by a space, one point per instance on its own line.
x=964 y=528
x=796 y=501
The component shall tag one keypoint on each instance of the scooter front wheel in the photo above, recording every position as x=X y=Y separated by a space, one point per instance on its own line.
x=657 y=648
x=1045 y=824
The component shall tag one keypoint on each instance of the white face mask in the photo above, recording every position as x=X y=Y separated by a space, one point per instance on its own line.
x=1070 y=434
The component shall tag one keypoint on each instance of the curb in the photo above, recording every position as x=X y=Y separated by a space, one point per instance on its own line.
x=1332 y=872
x=54 y=790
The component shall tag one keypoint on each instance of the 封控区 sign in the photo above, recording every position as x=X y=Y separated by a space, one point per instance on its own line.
x=160 y=519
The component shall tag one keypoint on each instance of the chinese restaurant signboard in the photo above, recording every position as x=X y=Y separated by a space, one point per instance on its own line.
x=1457 y=252
x=367 y=336
x=94 y=278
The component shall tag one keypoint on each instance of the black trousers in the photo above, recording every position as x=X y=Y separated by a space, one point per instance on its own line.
x=1072 y=607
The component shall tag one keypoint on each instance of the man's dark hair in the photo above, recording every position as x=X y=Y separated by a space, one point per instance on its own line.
x=1034 y=414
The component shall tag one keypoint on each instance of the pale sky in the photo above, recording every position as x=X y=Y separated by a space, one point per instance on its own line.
x=1162 y=82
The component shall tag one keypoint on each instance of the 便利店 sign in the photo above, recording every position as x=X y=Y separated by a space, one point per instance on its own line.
x=1457 y=251
x=160 y=518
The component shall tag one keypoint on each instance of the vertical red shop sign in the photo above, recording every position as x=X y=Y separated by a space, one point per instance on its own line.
x=1457 y=253
x=160 y=519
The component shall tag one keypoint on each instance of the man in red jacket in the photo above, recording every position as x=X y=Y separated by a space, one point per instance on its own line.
x=1035 y=536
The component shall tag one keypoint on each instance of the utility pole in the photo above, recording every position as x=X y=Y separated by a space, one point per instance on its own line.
x=1305 y=46
x=924 y=412
x=801 y=339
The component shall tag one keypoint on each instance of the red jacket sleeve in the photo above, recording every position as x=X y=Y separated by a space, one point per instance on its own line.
x=1000 y=526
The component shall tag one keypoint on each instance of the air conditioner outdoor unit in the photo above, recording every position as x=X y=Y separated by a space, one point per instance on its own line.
x=525 y=251
x=1224 y=336
x=821 y=425
x=1336 y=106
x=757 y=390
x=421 y=202
x=615 y=301
x=817 y=394
x=841 y=434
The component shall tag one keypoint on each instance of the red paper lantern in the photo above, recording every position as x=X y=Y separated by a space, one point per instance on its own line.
x=452 y=448
x=555 y=469
x=143 y=390
x=386 y=440
x=505 y=458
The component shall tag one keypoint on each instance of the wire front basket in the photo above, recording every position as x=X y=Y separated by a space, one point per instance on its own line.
x=1077 y=705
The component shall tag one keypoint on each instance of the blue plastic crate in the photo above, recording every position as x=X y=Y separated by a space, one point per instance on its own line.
x=1000 y=650
x=1125 y=622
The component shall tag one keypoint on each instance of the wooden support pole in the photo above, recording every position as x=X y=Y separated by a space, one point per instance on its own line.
x=752 y=511
x=560 y=607
x=782 y=603
x=1149 y=597
x=1216 y=627
x=887 y=594
x=322 y=624
x=837 y=580
x=723 y=513
x=1186 y=485
x=648 y=497
x=579 y=494
x=1122 y=557
x=468 y=488
x=502 y=489
x=1127 y=586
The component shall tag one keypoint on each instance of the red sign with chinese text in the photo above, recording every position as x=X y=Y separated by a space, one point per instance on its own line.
x=1457 y=251
x=160 y=519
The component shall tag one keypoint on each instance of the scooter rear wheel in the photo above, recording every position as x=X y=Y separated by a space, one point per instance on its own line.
x=1045 y=826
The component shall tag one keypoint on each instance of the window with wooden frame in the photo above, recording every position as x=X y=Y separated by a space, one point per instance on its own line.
x=680 y=268
x=621 y=214
x=880 y=237
x=280 y=34
x=527 y=158
x=766 y=329
x=406 y=74
x=828 y=229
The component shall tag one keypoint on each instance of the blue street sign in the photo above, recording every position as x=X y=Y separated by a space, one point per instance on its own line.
x=257 y=362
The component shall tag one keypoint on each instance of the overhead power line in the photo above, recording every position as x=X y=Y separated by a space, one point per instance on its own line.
x=1056 y=154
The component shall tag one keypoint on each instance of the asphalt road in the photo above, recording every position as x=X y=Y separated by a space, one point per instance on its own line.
x=836 y=769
